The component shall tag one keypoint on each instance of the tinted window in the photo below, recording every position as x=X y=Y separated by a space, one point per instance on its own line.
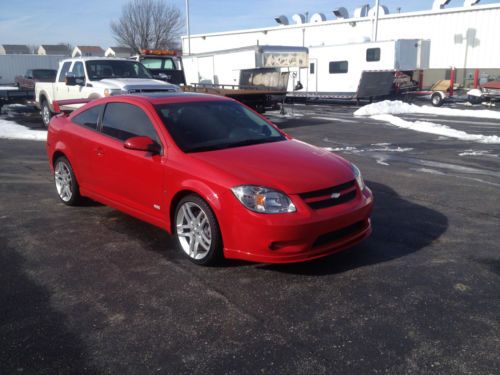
x=311 y=68
x=373 y=54
x=46 y=74
x=89 y=118
x=168 y=64
x=152 y=63
x=64 y=70
x=123 y=121
x=78 y=69
x=101 y=69
x=207 y=126
x=337 y=67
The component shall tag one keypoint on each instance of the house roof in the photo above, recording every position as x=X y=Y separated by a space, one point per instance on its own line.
x=122 y=49
x=91 y=49
x=16 y=48
x=55 y=49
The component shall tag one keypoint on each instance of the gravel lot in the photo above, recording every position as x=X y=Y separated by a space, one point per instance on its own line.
x=91 y=290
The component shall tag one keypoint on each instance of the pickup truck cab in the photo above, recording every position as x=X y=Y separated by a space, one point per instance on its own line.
x=28 y=80
x=95 y=77
x=164 y=65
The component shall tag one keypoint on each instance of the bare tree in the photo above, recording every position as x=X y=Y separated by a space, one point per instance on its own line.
x=148 y=24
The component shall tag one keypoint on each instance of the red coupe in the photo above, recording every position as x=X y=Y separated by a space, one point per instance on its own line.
x=218 y=176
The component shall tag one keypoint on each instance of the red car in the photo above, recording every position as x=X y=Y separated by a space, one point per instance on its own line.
x=212 y=172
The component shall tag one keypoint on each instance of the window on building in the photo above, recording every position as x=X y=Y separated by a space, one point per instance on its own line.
x=373 y=54
x=311 y=68
x=123 y=121
x=89 y=118
x=338 y=67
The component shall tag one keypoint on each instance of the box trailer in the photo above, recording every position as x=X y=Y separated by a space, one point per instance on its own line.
x=14 y=65
x=360 y=70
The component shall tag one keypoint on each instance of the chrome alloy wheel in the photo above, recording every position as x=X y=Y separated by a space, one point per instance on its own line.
x=63 y=181
x=193 y=230
x=46 y=115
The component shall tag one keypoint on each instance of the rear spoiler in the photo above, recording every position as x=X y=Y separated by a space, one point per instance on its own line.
x=56 y=105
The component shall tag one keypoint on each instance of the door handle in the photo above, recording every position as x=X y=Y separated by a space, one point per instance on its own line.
x=99 y=151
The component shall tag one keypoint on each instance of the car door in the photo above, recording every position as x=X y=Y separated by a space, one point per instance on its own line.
x=60 y=87
x=76 y=91
x=133 y=179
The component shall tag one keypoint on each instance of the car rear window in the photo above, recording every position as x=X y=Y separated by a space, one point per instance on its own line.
x=89 y=118
x=213 y=125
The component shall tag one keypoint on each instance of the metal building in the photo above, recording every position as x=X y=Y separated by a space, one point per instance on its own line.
x=466 y=38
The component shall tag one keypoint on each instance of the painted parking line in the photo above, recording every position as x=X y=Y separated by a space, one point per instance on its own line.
x=334 y=119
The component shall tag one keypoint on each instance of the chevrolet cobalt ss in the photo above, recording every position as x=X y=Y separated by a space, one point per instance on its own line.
x=222 y=179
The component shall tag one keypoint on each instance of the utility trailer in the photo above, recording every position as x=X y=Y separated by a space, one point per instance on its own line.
x=256 y=75
x=12 y=95
x=360 y=70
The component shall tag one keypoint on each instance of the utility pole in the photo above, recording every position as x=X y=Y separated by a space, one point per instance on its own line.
x=375 y=26
x=187 y=27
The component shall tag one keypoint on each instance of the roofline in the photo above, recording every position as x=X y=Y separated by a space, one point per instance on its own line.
x=256 y=48
x=341 y=21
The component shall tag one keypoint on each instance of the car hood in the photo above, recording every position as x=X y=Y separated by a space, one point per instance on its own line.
x=138 y=84
x=291 y=166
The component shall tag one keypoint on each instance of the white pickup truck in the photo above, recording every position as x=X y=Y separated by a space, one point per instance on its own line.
x=95 y=77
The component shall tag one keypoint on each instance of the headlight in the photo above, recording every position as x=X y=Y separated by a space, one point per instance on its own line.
x=359 y=178
x=263 y=200
x=110 y=92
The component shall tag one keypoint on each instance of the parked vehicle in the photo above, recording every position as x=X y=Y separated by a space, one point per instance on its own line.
x=95 y=77
x=12 y=65
x=164 y=65
x=28 y=80
x=215 y=174
x=491 y=90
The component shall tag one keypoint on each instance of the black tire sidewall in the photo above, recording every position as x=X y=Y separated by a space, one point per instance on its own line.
x=46 y=104
x=75 y=189
x=215 y=252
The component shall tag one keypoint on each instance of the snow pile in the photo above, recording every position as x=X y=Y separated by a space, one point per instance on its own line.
x=11 y=130
x=397 y=107
x=438 y=129
x=477 y=153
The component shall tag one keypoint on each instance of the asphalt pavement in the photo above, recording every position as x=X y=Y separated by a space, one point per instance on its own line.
x=92 y=290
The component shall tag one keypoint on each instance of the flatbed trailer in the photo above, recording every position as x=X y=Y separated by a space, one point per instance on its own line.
x=256 y=97
x=12 y=95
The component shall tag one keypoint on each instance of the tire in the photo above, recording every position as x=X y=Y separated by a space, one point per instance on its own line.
x=475 y=99
x=46 y=113
x=197 y=231
x=436 y=99
x=66 y=184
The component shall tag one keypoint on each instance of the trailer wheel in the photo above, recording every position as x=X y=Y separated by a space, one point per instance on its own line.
x=436 y=99
x=475 y=99
x=46 y=113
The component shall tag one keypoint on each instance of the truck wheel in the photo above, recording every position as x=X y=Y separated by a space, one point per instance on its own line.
x=475 y=99
x=46 y=113
x=436 y=99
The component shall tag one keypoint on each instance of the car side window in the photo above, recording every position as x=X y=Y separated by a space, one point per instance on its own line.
x=64 y=70
x=78 y=69
x=123 y=121
x=89 y=118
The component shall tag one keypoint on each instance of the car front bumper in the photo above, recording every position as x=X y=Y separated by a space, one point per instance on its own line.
x=295 y=237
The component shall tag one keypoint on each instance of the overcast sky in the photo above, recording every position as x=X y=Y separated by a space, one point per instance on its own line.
x=87 y=21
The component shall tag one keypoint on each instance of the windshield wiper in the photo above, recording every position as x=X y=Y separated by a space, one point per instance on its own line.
x=222 y=146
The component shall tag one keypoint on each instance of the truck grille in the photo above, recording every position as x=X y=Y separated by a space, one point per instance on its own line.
x=331 y=196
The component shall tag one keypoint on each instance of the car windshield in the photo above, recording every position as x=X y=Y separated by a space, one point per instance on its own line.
x=215 y=125
x=48 y=74
x=101 y=69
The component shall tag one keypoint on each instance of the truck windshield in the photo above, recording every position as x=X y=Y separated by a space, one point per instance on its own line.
x=215 y=125
x=101 y=69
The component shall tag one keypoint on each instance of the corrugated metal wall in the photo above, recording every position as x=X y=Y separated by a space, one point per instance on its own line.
x=13 y=65
x=477 y=27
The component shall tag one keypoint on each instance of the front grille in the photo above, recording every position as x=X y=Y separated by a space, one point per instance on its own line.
x=323 y=198
x=340 y=233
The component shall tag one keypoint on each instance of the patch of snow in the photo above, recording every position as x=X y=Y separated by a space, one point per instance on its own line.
x=337 y=149
x=11 y=130
x=475 y=92
x=397 y=107
x=390 y=149
x=10 y=88
x=438 y=129
x=381 y=162
x=428 y=170
x=381 y=144
x=477 y=153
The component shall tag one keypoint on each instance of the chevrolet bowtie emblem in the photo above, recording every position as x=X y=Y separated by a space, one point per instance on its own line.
x=335 y=195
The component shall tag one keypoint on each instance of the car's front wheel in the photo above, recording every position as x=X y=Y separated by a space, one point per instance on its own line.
x=66 y=183
x=197 y=230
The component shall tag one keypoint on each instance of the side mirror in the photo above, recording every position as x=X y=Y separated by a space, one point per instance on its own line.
x=142 y=143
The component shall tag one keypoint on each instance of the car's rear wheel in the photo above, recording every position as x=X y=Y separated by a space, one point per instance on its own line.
x=197 y=230
x=66 y=183
x=437 y=99
x=46 y=113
